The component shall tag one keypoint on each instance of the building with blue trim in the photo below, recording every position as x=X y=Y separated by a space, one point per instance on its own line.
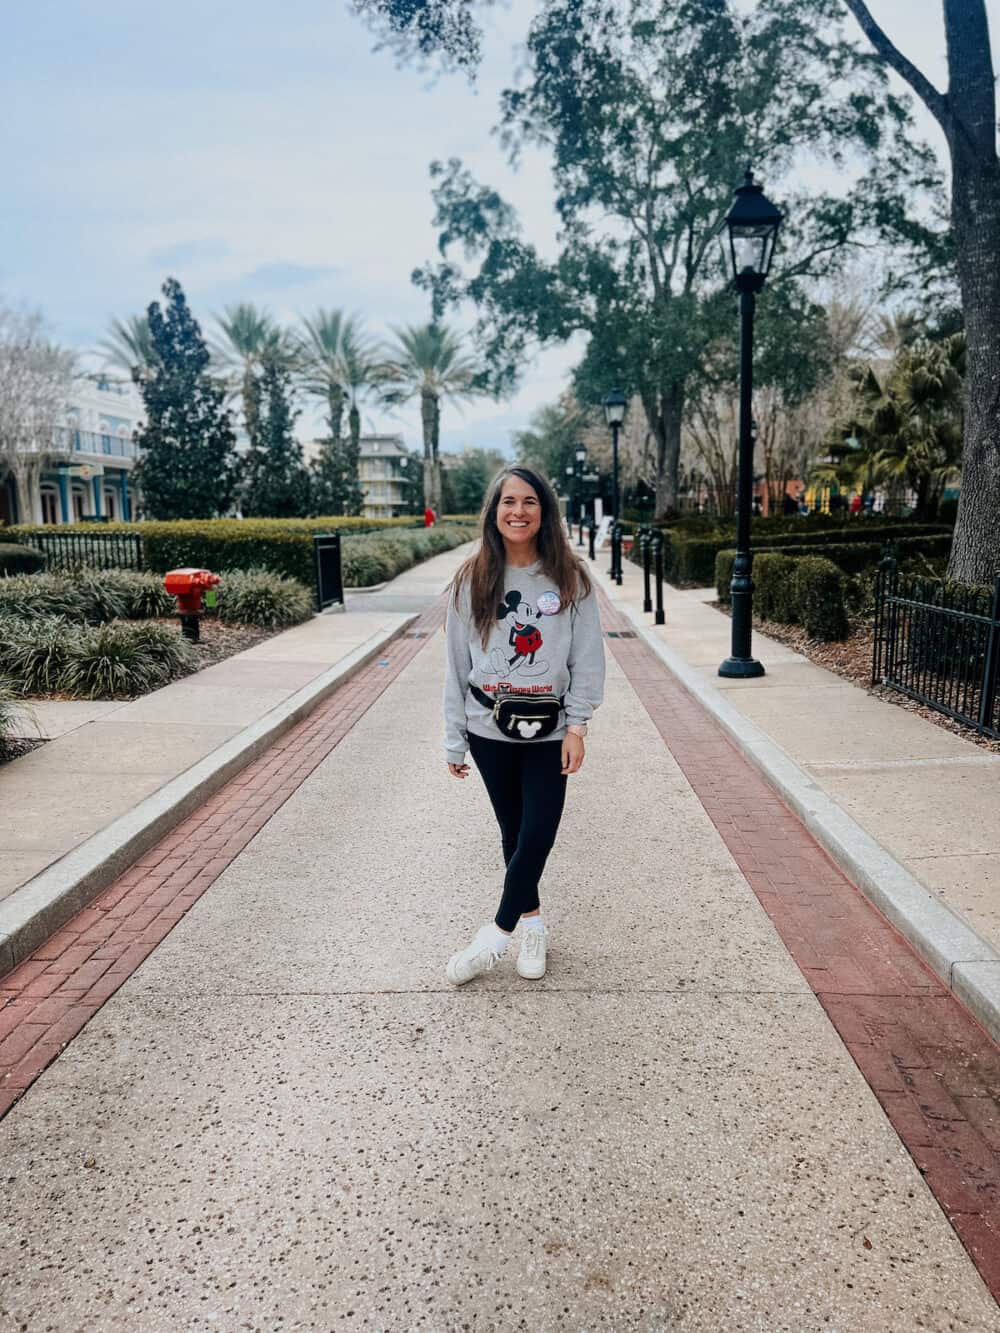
x=87 y=475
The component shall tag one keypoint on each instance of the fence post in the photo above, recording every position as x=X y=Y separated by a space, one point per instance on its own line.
x=591 y=531
x=645 y=536
x=659 y=618
x=988 y=693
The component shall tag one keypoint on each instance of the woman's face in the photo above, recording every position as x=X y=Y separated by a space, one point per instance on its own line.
x=519 y=514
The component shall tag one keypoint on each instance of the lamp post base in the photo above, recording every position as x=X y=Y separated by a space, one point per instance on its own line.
x=741 y=668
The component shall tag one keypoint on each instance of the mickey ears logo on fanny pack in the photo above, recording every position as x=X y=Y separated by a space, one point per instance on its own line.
x=548 y=604
x=528 y=729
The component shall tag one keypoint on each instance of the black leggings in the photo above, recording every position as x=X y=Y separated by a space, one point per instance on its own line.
x=527 y=790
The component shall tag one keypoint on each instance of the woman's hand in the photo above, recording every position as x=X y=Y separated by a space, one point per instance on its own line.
x=458 y=770
x=572 y=753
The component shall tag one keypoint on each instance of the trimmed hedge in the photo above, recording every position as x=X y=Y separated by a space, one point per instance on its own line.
x=690 y=563
x=19 y=560
x=285 y=546
x=807 y=590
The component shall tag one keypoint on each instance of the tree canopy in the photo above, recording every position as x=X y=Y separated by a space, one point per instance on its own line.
x=650 y=111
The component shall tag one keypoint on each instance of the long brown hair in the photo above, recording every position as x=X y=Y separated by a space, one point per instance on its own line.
x=484 y=570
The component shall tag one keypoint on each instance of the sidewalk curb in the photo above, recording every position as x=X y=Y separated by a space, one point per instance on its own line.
x=42 y=904
x=966 y=963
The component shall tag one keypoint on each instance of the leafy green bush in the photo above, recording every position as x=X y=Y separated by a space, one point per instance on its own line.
x=144 y=594
x=49 y=655
x=724 y=562
x=775 y=597
x=19 y=559
x=691 y=559
x=8 y=698
x=798 y=589
x=119 y=660
x=258 y=597
x=820 y=597
x=34 y=653
x=91 y=596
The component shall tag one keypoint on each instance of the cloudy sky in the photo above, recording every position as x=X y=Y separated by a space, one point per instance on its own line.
x=264 y=153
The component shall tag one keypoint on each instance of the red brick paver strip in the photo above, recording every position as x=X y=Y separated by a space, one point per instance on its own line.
x=50 y=996
x=934 y=1070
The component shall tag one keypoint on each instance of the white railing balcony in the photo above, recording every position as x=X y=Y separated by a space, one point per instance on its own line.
x=93 y=444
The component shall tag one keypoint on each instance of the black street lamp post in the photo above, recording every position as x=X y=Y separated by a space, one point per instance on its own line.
x=614 y=414
x=575 y=471
x=750 y=227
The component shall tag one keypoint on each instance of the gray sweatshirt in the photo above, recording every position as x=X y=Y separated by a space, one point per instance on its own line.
x=537 y=646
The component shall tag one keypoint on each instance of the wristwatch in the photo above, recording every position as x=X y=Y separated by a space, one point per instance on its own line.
x=577 y=728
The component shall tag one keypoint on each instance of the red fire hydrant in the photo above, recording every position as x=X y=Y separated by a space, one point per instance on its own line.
x=188 y=586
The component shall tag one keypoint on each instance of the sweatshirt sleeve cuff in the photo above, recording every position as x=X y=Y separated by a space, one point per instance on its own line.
x=455 y=756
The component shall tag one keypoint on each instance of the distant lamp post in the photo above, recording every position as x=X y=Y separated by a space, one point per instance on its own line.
x=749 y=232
x=614 y=414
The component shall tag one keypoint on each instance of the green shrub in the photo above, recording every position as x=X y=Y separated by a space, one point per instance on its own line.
x=258 y=597
x=19 y=559
x=8 y=699
x=820 y=590
x=91 y=596
x=285 y=546
x=34 y=653
x=119 y=660
x=144 y=594
x=724 y=562
x=775 y=596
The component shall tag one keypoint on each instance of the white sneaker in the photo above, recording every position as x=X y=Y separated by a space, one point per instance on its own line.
x=531 y=959
x=474 y=960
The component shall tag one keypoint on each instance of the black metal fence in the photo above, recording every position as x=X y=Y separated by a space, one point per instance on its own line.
x=329 y=575
x=86 y=550
x=939 y=644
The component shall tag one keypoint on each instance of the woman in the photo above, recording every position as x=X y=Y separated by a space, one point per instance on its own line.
x=525 y=673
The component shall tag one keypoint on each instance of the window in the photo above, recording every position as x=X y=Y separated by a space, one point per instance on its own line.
x=77 y=506
x=106 y=443
x=109 y=504
x=50 y=506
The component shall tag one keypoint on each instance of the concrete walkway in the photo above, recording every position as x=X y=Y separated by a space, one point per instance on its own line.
x=285 y=1119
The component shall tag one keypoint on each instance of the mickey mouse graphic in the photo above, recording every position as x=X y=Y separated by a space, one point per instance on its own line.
x=524 y=637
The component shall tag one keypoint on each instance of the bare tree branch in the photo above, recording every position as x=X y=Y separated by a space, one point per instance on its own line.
x=937 y=103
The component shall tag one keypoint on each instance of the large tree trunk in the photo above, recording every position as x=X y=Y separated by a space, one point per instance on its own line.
x=975 y=552
x=967 y=114
x=26 y=469
x=665 y=423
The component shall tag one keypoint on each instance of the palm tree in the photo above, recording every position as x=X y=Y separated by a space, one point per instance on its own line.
x=250 y=341
x=129 y=346
x=427 y=360
x=908 y=426
x=339 y=362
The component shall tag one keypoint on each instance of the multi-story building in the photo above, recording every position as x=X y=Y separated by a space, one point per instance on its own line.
x=86 y=473
x=386 y=474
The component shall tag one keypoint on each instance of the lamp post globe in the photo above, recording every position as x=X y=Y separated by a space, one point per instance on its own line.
x=749 y=232
x=615 y=406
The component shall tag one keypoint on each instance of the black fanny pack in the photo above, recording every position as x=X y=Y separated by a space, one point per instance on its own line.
x=521 y=717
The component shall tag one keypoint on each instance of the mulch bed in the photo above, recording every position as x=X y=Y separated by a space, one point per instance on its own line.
x=220 y=641
x=852 y=659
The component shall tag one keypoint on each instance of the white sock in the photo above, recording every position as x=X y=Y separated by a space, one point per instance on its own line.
x=533 y=922
x=496 y=936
